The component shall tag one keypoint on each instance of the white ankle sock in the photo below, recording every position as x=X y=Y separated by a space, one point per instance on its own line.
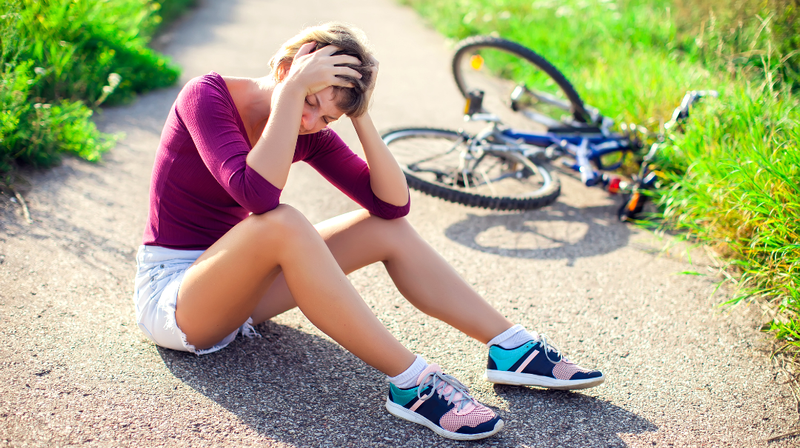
x=408 y=378
x=513 y=337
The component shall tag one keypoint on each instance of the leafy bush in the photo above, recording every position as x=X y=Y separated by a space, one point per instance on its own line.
x=81 y=43
x=60 y=59
x=736 y=186
x=14 y=86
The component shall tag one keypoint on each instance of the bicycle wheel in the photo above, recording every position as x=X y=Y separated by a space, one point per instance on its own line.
x=449 y=165
x=519 y=86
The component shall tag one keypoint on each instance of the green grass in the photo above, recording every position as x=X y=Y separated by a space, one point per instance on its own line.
x=732 y=179
x=61 y=59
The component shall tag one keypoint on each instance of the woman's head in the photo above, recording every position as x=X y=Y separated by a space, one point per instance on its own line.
x=350 y=41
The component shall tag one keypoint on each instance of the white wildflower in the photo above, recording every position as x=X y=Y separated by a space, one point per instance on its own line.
x=564 y=11
x=114 y=79
x=469 y=17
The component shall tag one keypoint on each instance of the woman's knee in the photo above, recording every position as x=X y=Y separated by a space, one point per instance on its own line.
x=393 y=234
x=282 y=223
x=397 y=227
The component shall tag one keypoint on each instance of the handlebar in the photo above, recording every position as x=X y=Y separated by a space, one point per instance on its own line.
x=691 y=97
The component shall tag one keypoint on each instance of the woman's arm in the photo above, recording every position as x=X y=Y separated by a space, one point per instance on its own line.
x=386 y=178
x=206 y=111
x=272 y=155
x=339 y=165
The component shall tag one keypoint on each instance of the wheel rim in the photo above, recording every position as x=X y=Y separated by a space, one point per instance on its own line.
x=446 y=159
x=502 y=75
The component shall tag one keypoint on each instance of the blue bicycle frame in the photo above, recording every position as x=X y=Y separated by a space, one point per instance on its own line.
x=587 y=149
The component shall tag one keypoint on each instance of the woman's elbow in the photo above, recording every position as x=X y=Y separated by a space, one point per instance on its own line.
x=261 y=207
x=388 y=211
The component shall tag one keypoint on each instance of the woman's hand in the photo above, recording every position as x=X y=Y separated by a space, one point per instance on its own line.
x=374 y=69
x=315 y=71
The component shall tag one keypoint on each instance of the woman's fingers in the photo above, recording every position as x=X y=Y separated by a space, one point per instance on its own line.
x=319 y=69
x=305 y=49
x=328 y=50
x=346 y=71
x=374 y=62
x=343 y=59
x=340 y=81
x=339 y=59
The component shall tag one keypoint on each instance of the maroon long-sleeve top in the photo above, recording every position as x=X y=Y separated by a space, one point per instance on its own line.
x=201 y=185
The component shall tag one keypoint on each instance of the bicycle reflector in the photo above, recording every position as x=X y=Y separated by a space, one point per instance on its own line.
x=613 y=185
x=474 y=102
x=476 y=62
x=634 y=202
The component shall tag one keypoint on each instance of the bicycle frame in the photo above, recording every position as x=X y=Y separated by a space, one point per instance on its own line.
x=587 y=145
x=596 y=146
x=587 y=149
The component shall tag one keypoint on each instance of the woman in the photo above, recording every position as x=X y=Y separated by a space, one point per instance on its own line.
x=221 y=254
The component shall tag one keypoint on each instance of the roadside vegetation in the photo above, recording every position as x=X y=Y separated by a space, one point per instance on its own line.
x=731 y=180
x=62 y=59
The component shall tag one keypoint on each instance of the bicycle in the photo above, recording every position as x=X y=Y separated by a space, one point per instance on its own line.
x=508 y=167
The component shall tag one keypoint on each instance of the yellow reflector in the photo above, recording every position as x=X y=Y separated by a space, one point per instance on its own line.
x=476 y=62
x=634 y=202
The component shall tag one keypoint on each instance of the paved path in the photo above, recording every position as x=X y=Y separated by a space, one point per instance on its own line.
x=75 y=369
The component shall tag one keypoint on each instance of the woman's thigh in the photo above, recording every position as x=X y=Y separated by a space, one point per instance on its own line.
x=355 y=239
x=222 y=288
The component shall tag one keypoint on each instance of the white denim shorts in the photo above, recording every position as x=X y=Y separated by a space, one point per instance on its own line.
x=159 y=274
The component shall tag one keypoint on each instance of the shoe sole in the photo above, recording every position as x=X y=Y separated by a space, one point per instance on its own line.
x=527 y=379
x=401 y=412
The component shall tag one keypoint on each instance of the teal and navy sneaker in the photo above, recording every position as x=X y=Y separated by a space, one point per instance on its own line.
x=444 y=405
x=537 y=363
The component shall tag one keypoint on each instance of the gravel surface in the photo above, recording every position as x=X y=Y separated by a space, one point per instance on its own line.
x=76 y=369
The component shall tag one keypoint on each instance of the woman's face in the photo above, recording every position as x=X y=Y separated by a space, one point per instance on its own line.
x=319 y=110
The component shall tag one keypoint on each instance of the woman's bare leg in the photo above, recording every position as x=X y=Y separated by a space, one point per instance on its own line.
x=224 y=286
x=425 y=278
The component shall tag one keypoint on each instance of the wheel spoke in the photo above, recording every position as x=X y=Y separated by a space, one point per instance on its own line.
x=451 y=165
x=519 y=86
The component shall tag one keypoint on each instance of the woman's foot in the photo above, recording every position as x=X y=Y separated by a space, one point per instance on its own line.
x=537 y=363
x=444 y=405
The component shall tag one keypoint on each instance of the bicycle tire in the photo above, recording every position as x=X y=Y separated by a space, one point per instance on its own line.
x=497 y=66
x=533 y=185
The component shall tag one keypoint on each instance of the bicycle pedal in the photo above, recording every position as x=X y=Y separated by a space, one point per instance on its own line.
x=474 y=102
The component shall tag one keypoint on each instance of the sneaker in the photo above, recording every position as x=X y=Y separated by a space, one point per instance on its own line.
x=444 y=405
x=537 y=363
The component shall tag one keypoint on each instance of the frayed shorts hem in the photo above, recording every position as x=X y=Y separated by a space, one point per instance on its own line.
x=160 y=272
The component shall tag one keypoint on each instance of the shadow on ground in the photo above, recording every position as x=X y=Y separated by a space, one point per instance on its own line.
x=557 y=232
x=304 y=390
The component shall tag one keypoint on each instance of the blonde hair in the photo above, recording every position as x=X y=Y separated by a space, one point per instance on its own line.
x=350 y=41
